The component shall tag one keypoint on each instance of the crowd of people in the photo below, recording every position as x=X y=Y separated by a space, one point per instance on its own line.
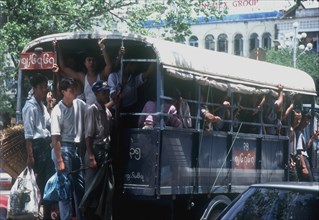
x=79 y=126
x=78 y=129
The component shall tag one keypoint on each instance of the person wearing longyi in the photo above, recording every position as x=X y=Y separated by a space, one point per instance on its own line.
x=36 y=119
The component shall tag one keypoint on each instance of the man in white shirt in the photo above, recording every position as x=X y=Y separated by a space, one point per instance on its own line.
x=302 y=145
x=67 y=129
x=36 y=120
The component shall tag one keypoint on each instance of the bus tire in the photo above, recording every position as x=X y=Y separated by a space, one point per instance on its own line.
x=215 y=207
x=214 y=214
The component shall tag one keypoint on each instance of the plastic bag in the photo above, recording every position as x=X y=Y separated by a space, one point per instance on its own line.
x=57 y=188
x=24 y=196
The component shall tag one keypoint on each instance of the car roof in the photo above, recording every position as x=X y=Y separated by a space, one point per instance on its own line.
x=304 y=186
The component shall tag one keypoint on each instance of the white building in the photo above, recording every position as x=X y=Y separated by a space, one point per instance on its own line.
x=236 y=34
x=252 y=24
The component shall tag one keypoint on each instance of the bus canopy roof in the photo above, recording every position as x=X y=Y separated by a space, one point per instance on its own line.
x=217 y=69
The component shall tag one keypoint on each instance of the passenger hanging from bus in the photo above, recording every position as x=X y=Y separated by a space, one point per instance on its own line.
x=67 y=129
x=99 y=179
x=302 y=146
x=223 y=111
x=293 y=101
x=124 y=87
x=149 y=121
x=70 y=62
x=207 y=116
x=90 y=75
x=237 y=115
x=295 y=121
x=252 y=115
x=36 y=120
x=183 y=109
x=272 y=110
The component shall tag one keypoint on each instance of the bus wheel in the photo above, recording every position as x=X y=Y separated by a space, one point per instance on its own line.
x=214 y=214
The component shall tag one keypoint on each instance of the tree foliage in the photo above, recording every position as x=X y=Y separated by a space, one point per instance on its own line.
x=306 y=61
x=25 y=20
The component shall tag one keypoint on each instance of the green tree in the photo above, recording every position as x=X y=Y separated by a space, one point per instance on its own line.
x=306 y=61
x=24 y=20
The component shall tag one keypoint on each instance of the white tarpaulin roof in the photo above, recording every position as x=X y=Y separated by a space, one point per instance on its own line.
x=217 y=69
x=207 y=64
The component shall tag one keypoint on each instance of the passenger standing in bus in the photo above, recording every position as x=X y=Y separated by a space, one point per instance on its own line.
x=91 y=75
x=272 y=110
x=67 y=129
x=302 y=146
x=255 y=102
x=208 y=118
x=183 y=109
x=70 y=62
x=124 y=87
x=222 y=111
x=79 y=93
x=149 y=121
x=295 y=121
x=36 y=120
x=99 y=180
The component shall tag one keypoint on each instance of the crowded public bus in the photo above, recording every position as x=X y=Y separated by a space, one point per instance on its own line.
x=201 y=129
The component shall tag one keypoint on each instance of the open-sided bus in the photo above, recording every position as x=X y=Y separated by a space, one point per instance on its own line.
x=183 y=173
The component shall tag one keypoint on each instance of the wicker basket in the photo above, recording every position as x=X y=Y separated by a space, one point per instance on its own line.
x=13 y=153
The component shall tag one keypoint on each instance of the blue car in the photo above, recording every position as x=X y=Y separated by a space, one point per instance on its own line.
x=289 y=200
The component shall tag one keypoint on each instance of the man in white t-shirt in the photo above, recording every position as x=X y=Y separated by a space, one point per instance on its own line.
x=67 y=130
x=302 y=146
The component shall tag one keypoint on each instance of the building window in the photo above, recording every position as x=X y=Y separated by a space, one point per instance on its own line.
x=222 y=43
x=210 y=42
x=193 y=41
x=253 y=42
x=266 y=43
x=238 y=45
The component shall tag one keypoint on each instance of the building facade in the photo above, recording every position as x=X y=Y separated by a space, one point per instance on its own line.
x=252 y=26
x=237 y=34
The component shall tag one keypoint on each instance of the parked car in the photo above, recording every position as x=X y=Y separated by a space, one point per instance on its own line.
x=289 y=200
x=5 y=180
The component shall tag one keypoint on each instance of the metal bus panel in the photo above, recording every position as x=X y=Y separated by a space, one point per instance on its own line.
x=177 y=169
x=273 y=159
x=141 y=167
x=212 y=162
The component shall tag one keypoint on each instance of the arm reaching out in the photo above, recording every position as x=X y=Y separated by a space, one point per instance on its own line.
x=108 y=65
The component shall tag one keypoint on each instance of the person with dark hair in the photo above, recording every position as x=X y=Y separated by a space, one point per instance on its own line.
x=272 y=110
x=183 y=109
x=124 y=89
x=252 y=115
x=99 y=180
x=302 y=145
x=36 y=120
x=295 y=121
x=67 y=129
x=91 y=75
x=208 y=116
x=149 y=121
x=124 y=85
